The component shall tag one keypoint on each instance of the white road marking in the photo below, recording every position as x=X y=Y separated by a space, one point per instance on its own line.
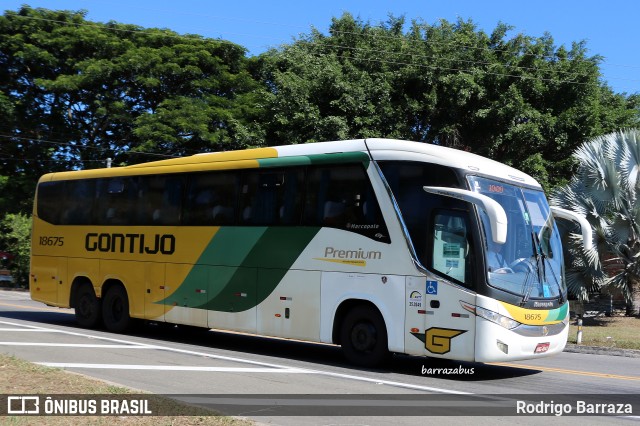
x=251 y=362
x=31 y=330
x=173 y=368
x=74 y=345
x=18 y=295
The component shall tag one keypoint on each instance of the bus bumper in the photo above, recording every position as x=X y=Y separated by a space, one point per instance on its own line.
x=495 y=343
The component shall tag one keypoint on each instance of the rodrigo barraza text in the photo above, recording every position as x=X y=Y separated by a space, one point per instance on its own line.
x=580 y=407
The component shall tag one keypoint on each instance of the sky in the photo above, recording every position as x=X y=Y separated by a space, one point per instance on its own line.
x=609 y=27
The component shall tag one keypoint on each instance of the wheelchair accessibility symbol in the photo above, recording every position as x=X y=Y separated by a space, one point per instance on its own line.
x=432 y=287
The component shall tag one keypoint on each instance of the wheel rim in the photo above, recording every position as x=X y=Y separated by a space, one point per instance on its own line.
x=363 y=336
x=85 y=307
x=117 y=309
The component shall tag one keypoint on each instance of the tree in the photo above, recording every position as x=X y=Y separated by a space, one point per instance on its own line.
x=520 y=100
x=75 y=92
x=606 y=190
x=15 y=238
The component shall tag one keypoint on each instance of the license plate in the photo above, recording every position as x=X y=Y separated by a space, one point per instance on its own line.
x=541 y=348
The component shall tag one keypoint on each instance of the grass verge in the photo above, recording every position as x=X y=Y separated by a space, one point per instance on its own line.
x=18 y=377
x=611 y=332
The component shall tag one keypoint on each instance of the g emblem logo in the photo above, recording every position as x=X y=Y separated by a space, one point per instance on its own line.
x=438 y=340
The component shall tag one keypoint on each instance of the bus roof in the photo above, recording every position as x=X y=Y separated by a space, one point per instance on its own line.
x=393 y=149
x=380 y=149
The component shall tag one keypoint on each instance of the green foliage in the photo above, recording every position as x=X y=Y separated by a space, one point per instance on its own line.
x=15 y=237
x=4 y=182
x=520 y=100
x=74 y=92
x=605 y=190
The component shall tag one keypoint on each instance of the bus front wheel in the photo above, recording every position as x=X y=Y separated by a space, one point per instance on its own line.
x=87 y=307
x=115 y=309
x=364 y=337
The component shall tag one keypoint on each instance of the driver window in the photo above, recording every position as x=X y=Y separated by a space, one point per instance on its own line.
x=451 y=246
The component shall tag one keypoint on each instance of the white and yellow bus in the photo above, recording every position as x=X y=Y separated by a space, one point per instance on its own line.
x=380 y=246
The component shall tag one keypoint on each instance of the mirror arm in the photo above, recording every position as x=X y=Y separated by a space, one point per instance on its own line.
x=585 y=226
x=495 y=212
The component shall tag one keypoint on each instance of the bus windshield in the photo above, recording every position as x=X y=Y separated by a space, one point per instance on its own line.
x=529 y=263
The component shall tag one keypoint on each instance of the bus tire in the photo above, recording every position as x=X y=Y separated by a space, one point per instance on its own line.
x=87 y=307
x=115 y=310
x=364 y=337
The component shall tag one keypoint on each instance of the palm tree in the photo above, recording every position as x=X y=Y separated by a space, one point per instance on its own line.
x=605 y=189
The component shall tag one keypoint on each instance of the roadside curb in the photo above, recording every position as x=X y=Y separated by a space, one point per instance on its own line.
x=598 y=350
x=20 y=289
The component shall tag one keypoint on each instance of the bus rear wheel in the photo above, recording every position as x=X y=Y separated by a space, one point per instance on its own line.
x=115 y=310
x=87 y=307
x=364 y=337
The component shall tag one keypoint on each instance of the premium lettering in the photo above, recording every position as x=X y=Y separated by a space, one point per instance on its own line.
x=130 y=243
x=331 y=252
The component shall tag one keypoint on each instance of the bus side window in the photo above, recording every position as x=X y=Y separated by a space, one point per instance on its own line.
x=51 y=196
x=290 y=197
x=451 y=246
x=406 y=180
x=341 y=196
x=250 y=212
x=331 y=192
x=79 y=206
x=211 y=199
x=160 y=198
x=272 y=197
x=117 y=201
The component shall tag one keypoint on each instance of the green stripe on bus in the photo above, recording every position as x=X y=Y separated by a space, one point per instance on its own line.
x=263 y=269
x=558 y=314
x=301 y=160
x=241 y=267
x=230 y=247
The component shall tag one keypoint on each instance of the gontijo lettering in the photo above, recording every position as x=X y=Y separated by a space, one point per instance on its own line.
x=130 y=243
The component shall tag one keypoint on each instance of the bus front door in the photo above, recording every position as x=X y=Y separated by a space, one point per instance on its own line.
x=448 y=330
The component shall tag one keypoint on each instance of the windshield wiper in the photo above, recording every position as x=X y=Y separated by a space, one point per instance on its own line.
x=538 y=255
x=541 y=268
x=528 y=287
x=544 y=259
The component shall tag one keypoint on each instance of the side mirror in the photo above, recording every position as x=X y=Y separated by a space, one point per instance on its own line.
x=495 y=212
x=585 y=226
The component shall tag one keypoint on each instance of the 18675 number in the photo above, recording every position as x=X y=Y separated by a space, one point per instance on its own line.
x=52 y=241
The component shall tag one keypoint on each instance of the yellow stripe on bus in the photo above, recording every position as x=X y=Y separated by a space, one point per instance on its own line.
x=353 y=262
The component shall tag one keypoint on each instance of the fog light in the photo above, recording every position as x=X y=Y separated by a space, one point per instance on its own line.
x=503 y=346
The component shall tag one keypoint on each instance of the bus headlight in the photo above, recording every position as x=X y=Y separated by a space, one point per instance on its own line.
x=501 y=320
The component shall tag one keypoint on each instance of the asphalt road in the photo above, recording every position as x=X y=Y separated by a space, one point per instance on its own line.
x=212 y=363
